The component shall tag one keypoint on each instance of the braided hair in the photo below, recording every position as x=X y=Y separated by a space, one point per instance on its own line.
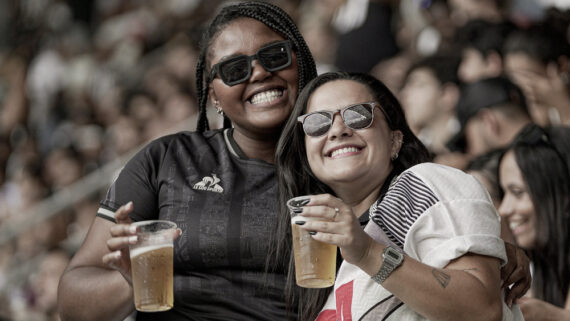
x=270 y=15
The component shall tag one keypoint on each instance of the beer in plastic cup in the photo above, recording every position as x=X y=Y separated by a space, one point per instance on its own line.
x=315 y=262
x=151 y=266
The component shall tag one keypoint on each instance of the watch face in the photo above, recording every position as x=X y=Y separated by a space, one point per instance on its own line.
x=394 y=255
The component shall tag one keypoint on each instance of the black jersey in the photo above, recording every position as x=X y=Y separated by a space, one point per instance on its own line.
x=226 y=206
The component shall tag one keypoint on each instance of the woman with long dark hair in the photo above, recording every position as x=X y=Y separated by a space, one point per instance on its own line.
x=534 y=174
x=431 y=245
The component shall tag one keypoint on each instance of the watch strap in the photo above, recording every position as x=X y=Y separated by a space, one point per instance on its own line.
x=388 y=266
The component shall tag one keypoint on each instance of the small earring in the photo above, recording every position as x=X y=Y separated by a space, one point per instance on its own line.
x=394 y=157
x=219 y=109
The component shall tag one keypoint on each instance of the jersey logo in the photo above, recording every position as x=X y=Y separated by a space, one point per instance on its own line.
x=209 y=184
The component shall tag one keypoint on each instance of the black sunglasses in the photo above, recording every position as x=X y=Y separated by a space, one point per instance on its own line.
x=235 y=70
x=357 y=116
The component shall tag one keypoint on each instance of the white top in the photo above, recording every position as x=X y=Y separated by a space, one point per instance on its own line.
x=435 y=214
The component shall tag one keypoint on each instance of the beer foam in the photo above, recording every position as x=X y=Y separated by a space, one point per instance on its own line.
x=141 y=250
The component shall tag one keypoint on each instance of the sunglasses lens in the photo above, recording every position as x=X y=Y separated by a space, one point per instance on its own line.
x=275 y=57
x=358 y=116
x=317 y=124
x=235 y=70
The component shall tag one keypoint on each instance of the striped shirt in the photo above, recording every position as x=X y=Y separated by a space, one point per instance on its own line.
x=435 y=214
x=402 y=206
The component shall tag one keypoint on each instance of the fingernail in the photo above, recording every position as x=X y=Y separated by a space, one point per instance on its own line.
x=132 y=229
x=133 y=239
x=300 y=202
x=312 y=232
x=300 y=222
x=297 y=210
x=180 y=231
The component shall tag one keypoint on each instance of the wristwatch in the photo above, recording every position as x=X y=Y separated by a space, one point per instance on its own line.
x=391 y=259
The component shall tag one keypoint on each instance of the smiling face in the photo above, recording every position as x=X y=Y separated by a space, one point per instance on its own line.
x=517 y=207
x=260 y=105
x=344 y=155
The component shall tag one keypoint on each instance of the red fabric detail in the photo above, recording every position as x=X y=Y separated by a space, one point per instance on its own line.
x=343 y=296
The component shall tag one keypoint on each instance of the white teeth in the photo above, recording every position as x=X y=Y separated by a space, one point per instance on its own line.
x=344 y=151
x=266 y=96
x=514 y=225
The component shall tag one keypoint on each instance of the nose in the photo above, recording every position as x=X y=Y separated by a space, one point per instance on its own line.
x=505 y=208
x=339 y=128
x=258 y=73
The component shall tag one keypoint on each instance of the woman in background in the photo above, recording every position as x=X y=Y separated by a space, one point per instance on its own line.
x=534 y=176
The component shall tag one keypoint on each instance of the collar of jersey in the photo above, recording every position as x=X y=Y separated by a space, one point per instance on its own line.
x=233 y=147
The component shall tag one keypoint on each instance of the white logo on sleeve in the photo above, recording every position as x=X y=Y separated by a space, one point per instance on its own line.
x=209 y=184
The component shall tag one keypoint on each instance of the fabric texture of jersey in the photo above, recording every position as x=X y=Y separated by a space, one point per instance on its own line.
x=434 y=214
x=225 y=205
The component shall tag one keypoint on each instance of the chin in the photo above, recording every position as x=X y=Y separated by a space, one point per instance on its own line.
x=525 y=243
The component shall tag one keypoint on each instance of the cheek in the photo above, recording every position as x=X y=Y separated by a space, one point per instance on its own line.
x=291 y=74
x=313 y=153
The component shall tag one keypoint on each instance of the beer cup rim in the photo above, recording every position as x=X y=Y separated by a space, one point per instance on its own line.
x=168 y=224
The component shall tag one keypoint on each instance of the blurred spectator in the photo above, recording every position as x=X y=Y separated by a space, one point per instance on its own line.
x=365 y=34
x=429 y=96
x=12 y=92
x=61 y=168
x=463 y=11
x=491 y=112
x=482 y=53
x=537 y=60
x=534 y=176
x=38 y=301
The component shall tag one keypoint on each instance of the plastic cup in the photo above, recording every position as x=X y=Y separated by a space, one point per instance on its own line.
x=315 y=262
x=152 y=265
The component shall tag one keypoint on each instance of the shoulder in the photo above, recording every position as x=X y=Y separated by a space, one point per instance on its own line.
x=445 y=182
x=186 y=140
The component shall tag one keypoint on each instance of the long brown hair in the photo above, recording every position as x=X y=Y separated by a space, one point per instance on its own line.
x=296 y=178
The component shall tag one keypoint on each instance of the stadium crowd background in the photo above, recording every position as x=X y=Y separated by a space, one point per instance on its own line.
x=85 y=83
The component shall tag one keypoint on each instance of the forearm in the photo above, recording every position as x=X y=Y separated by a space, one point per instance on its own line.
x=94 y=293
x=438 y=294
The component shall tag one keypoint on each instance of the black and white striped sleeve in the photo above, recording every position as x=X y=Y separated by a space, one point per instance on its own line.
x=405 y=201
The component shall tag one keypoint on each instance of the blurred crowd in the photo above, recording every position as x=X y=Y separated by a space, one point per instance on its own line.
x=85 y=82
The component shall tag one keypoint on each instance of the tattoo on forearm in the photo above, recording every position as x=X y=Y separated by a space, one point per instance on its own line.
x=441 y=277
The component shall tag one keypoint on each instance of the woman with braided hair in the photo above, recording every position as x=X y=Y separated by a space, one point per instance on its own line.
x=218 y=186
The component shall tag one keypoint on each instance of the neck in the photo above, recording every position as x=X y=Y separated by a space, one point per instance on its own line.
x=262 y=148
x=359 y=199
